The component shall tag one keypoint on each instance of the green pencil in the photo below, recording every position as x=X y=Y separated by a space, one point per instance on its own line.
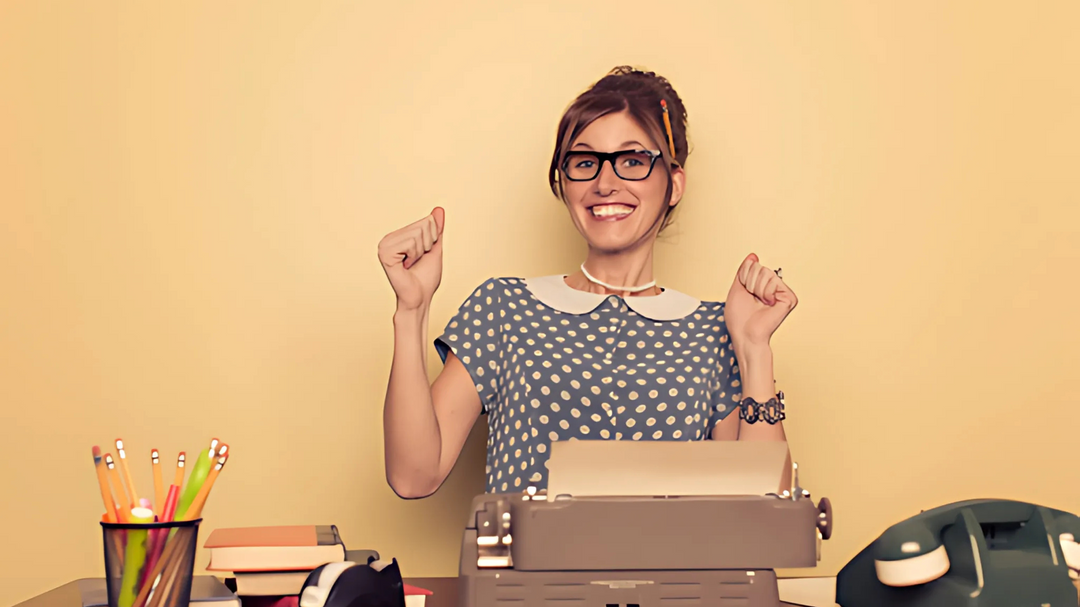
x=134 y=556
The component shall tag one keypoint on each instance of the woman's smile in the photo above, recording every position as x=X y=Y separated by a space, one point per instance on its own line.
x=611 y=211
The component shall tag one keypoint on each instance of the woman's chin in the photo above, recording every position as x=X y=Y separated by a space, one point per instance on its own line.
x=610 y=243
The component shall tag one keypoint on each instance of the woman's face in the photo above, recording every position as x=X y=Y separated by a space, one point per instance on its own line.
x=614 y=214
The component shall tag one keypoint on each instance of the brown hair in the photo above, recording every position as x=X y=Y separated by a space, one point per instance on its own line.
x=634 y=91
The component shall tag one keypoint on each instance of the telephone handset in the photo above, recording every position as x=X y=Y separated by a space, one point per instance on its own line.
x=975 y=553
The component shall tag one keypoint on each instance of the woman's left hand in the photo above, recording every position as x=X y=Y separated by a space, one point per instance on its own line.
x=756 y=304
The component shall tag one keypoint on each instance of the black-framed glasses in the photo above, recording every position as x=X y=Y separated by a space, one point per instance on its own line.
x=630 y=165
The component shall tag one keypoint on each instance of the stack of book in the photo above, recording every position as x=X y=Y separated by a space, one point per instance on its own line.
x=272 y=562
x=269 y=565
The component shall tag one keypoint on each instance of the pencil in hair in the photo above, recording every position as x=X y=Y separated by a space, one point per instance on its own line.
x=118 y=486
x=194 y=511
x=667 y=126
x=103 y=482
x=179 y=480
x=159 y=484
x=133 y=497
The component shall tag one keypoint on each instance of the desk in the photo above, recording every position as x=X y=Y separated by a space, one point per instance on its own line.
x=444 y=589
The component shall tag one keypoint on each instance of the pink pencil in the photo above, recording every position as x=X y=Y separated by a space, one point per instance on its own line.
x=158 y=537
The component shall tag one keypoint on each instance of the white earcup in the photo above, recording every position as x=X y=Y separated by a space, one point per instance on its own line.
x=1070 y=549
x=915 y=570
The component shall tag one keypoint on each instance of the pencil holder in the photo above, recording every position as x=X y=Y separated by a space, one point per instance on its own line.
x=149 y=564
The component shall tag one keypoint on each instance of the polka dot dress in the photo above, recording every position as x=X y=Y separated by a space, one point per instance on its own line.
x=544 y=374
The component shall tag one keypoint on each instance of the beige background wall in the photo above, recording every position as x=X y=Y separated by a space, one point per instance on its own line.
x=192 y=195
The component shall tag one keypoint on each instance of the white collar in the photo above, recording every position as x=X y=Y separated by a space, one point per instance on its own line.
x=553 y=292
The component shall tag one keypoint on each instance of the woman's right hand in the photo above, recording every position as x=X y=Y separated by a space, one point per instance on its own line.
x=411 y=257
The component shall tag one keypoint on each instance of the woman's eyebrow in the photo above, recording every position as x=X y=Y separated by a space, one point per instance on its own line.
x=625 y=144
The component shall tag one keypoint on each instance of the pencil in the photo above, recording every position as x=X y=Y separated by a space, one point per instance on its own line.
x=169 y=509
x=170 y=568
x=134 y=556
x=196 y=478
x=161 y=536
x=152 y=579
x=667 y=125
x=103 y=482
x=159 y=485
x=195 y=510
x=127 y=473
x=179 y=481
x=118 y=486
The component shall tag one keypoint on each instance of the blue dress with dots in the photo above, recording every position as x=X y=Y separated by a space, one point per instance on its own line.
x=553 y=363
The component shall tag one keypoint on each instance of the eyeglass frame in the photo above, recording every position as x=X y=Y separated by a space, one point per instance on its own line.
x=610 y=157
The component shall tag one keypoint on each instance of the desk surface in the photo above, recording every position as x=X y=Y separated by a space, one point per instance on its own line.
x=444 y=589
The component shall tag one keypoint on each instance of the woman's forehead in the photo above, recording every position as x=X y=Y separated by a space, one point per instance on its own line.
x=611 y=132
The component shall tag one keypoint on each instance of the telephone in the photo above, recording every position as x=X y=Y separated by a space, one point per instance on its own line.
x=975 y=553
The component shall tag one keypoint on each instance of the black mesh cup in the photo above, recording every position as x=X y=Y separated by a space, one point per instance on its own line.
x=151 y=564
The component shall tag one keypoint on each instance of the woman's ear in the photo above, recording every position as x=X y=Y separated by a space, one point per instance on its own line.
x=678 y=185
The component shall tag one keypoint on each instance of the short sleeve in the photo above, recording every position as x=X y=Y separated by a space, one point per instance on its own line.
x=726 y=388
x=474 y=335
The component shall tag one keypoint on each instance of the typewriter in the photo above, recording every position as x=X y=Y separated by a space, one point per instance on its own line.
x=645 y=524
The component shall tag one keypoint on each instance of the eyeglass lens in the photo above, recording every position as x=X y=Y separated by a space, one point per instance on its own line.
x=631 y=165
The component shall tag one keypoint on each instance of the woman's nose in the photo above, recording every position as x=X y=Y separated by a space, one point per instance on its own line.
x=607 y=181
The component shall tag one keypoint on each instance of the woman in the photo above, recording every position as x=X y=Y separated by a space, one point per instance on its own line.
x=602 y=353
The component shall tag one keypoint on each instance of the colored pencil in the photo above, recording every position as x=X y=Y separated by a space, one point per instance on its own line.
x=195 y=510
x=196 y=478
x=103 y=483
x=134 y=556
x=168 y=511
x=667 y=127
x=122 y=512
x=159 y=484
x=179 y=480
x=160 y=536
x=133 y=496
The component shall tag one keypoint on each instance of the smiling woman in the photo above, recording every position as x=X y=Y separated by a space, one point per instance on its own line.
x=600 y=353
x=626 y=106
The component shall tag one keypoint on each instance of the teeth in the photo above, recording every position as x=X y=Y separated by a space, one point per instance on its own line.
x=611 y=210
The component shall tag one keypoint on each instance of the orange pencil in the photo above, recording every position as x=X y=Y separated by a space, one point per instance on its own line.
x=667 y=127
x=132 y=495
x=118 y=486
x=195 y=510
x=159 y=484
x=179 y=481
x=103 y=482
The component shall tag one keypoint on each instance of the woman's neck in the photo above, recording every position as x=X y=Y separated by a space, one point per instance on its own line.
x=629 y=270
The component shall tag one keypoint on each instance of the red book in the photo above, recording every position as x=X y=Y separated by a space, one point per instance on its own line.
x=415 y=597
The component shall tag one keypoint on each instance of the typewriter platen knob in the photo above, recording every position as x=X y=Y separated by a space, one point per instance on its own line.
x=824 y=521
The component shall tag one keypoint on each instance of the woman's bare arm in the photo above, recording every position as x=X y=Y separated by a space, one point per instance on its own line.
x=424 y=426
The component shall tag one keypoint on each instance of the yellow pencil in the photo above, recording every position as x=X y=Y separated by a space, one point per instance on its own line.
x=132 y=495
x=159 y=484
x=195 y=510
x=118 y=486
x=179 y=481
x=106 y=494
x=667 y=126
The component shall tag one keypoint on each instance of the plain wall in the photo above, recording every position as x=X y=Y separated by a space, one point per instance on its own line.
x=192 y=194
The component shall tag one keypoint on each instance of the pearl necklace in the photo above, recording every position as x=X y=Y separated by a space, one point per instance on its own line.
x=648 y=285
